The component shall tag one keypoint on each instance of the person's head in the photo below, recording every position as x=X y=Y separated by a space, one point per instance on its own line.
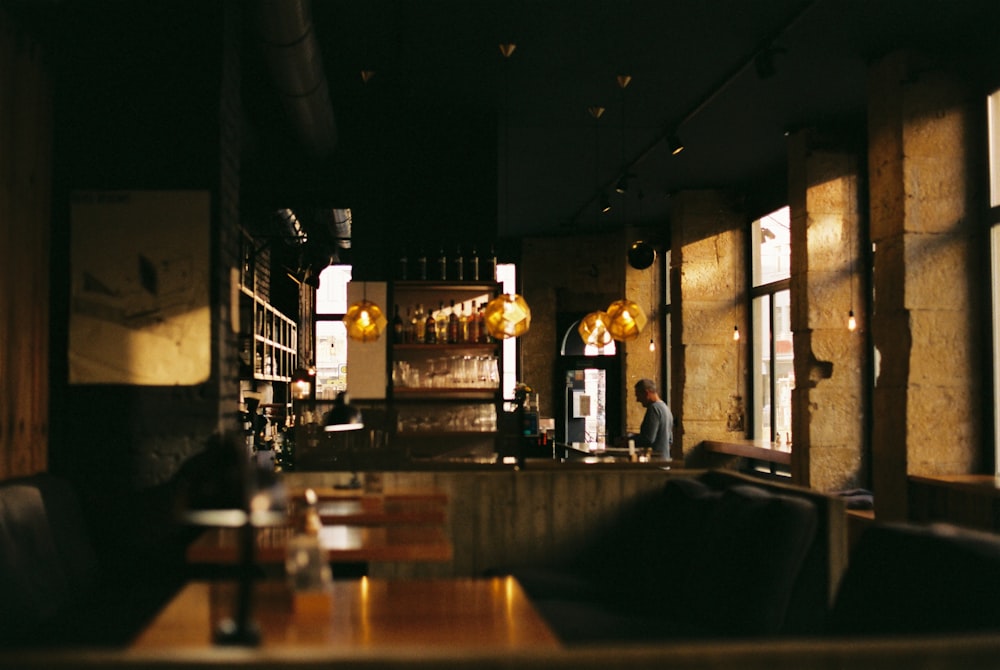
x=645 y=391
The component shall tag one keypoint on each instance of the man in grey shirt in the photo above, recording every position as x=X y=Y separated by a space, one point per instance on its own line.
x=657 y=430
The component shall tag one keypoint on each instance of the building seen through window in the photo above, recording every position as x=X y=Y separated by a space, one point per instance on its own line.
x=773 y=373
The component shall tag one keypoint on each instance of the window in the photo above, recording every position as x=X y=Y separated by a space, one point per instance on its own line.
x=507 y=277
x=331 y=335
x=993 y=118
x=773 y=374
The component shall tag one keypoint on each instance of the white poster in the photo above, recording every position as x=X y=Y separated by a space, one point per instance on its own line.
x=139 y=293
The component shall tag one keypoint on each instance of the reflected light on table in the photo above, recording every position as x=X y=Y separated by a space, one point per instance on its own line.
x=341 y=537
x=365 y=610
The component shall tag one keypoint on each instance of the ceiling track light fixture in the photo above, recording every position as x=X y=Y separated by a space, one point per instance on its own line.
x=763 y=62
x=506 y=50
x=621 y=186
x=674 y=144
x=670 y=137
x=596 y=112
x=623 y=182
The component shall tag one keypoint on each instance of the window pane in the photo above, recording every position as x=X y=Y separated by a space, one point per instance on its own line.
x=331 y=359
x=784 y=372
x=994 y=148
x=762 y=368
x=331 y=296
x=507 y=276
x=995 y=271
x=771 y=238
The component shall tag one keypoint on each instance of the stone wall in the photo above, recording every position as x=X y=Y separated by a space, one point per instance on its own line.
x=708 y=280
x=829 y=400
x=931 y=248
x=564 y=275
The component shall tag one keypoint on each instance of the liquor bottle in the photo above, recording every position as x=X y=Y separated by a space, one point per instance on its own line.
x=452 y=325
x=474 y=264
x=442 y=265
x=472 y=325
x=491 y=265
x=419 y=324
x=430 y=328
x=441 y=324
x=484 y=333
x=408 y=326
x=397 y=327
x=404 y=261
x=458 y=265
x=463 y=324
x=421 y=265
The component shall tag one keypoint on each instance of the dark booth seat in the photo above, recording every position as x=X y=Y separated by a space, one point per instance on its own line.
x=909 y=579
x=54 y=588
x=687 y=561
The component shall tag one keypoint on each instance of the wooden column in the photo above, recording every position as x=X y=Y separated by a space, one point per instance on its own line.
x=25 y=206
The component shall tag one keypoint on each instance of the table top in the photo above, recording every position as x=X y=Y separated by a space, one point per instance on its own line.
x=343 y=543
x=371 y=614
x=378 y=511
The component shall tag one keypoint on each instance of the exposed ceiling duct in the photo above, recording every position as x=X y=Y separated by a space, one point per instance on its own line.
x=295 y=61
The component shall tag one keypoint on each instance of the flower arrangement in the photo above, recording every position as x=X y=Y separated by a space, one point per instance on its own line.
x=521 y=391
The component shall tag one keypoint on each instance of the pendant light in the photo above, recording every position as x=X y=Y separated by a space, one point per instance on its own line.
x=626 y=319
x=365 y=320
x=507 y=315
x=593 y=329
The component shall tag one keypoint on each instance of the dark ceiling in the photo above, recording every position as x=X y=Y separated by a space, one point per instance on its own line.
x=424 y=142
x=730 y=77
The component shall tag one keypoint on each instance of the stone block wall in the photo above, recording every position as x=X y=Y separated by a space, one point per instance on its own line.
x=708 y=280
x=829 y=417
x=929 y=263
x=564 y=275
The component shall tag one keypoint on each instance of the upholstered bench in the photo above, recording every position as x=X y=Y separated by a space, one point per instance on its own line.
x=711 y=557
x=54 y=589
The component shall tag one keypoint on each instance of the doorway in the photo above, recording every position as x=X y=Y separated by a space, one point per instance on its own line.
x=589 y=413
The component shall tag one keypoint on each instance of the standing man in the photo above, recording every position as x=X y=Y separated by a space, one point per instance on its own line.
x=657 y=430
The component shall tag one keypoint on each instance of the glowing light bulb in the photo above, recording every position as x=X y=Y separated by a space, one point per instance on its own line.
x=652 y=345
x=736 y=333
x=852 y=323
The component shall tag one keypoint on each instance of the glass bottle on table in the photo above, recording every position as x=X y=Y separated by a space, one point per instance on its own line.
x=306 y=566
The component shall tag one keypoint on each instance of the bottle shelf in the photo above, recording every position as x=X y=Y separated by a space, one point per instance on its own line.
x=445 y=393
x=269 y=340
x=474 y=346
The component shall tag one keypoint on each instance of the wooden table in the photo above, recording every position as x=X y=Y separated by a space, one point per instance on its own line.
x=343 y=543
x=369 y=614
x=368 y=511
